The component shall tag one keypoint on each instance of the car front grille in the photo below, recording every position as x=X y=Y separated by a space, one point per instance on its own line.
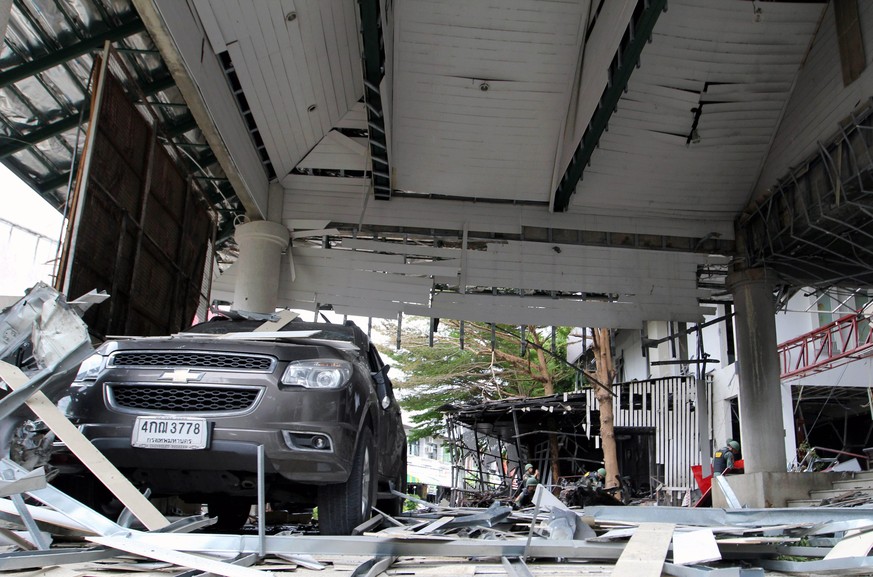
x=182 y=398
x=194 y=360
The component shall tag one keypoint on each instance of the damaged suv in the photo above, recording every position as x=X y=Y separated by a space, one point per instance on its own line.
x=184 y=416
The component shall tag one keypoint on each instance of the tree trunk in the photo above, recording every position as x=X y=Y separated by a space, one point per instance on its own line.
x=603 y=394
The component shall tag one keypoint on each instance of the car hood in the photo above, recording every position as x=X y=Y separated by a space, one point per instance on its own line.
x=284 y=349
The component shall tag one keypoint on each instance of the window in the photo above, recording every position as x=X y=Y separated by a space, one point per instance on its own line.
x=446 y=454
x=414 y=448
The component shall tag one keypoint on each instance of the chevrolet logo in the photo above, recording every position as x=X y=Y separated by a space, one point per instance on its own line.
x=181 y=376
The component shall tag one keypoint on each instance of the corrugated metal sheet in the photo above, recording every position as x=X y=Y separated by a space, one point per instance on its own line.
x=43 y=94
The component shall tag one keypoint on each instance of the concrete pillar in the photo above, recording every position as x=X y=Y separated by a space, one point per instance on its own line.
x=5 y=12
x=760 y=393
x=258 y=267
x=788 y=423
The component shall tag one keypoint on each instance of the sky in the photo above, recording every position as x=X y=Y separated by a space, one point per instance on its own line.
x=28 y=246
x=21 y=205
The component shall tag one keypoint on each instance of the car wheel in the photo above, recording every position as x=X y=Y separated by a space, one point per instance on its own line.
x=343 y=507
x=232 y=513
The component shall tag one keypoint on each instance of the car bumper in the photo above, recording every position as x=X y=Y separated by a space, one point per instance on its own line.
x=235 y=450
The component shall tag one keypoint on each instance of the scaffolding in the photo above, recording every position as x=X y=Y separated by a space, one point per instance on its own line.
x=491 y=442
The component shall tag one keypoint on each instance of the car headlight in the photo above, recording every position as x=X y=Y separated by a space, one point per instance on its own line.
x=90 y=368
x=318 y=374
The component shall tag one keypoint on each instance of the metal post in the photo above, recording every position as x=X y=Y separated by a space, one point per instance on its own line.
x=32 y=528
x=85 y=167
x=262 y=506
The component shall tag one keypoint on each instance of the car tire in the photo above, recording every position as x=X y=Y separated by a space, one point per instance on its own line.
x=344 y=506
x=232 y=513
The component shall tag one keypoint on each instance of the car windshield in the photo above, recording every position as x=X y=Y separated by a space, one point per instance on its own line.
x=223 y=326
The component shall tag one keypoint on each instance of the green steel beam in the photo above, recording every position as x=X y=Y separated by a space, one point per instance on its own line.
x=156 y=86
x=371 y=36
x=179 y=128
x=40 y=134
x=225 y=232
x=627 y=58
x=53 y=183
x=57 y=57
x=60 y=126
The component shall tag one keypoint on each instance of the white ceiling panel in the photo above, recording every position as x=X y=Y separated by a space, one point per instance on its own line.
x=480 y=94
x=301 y=76
x=484 y=100
x=711 y=55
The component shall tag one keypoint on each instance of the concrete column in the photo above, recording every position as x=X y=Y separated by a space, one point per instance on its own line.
x=258 y=268
x=788 y=422
x=5 y=12
x=760 y=393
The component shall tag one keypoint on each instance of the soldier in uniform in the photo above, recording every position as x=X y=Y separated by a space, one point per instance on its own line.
x=528 y=486
x=723 y=459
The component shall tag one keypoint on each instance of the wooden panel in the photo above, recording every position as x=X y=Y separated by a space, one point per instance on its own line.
x=337 y=151
x=600 y=49
x=299 y=79
x=97 y=463
x=851 y=43
x=695 y=547
x=355 y=118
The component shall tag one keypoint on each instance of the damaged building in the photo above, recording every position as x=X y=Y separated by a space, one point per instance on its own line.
x=692 y=177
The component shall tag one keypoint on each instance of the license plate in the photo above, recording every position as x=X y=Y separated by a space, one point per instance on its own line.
x=170 y=433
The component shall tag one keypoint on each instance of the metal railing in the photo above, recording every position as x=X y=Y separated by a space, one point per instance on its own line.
x=828 y=346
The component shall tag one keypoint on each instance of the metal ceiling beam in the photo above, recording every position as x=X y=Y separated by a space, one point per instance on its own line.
x=40 y=134
x=60 y=126
x=156 y=86
x=627 y=57
x=74 y=51
x=53 y=183
x=374 y=61
x=181 y=127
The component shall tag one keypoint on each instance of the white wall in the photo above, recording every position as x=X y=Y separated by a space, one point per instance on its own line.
x=628 y=347
x=800 y=316
x=26 y=257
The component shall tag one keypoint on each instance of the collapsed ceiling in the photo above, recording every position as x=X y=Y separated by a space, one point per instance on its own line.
x=557 y=163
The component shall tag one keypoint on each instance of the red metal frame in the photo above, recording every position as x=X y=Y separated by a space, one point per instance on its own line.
x=828 y=346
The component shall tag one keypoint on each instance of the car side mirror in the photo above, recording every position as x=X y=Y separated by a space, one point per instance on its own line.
x=381 y=387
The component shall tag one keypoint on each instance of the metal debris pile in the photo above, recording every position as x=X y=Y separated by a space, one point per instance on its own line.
x=43 y=527
x=638 y=541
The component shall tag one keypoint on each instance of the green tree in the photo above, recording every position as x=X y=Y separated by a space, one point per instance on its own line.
x=443 y=373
